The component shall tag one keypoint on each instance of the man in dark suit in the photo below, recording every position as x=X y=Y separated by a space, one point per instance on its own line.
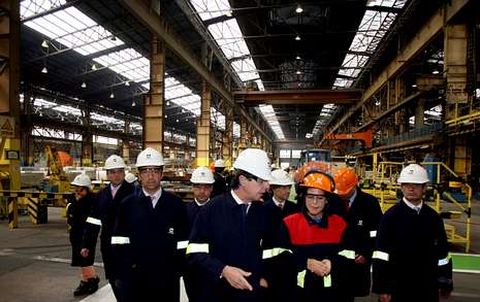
x=279 y=204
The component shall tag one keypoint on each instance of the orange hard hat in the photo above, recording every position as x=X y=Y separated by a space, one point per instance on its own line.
x=311 y=166
x=345 y=181
x=319 y=180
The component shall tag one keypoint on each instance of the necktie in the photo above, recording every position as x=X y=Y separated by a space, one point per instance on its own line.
x=244 y=210
x=280 y=205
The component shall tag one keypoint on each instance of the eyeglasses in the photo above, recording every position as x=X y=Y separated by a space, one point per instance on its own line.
x=314 y=198
x=156 y=171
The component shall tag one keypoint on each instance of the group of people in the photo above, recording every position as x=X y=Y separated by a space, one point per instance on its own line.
x=250 y=243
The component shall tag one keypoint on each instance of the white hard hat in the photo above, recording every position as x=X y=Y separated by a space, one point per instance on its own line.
x=255 y=162
x=114 y=162
x=202 y=175
x=82 y=180
x=130 y=177
x=281 y=178
x=149 y=157
x=219 y=163
x=413 y=174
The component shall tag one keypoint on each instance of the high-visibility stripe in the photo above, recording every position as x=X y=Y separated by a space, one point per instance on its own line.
x=380 y=255
x=197 y=248
x=301 y=278
x=349 y=254
x=120 y=240
x=444 y=261
x=182 y=244
x=373 y=234
x=327 y=281
x=270 y=253
x=94 y=221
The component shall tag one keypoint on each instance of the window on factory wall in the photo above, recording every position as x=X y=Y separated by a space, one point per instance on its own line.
x=296 y=153
x=105 y=140
x=285 y=153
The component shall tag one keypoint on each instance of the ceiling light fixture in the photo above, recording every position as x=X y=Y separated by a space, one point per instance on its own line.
x=84 y=85
x=112 y=95
x=229 y=13
x=298 y=72
x=44 y=70
x=298 y=58
x=45 y=44
x=299 y=9
x=127 y=83
x=94 y=67
x=297 y=38
x=133 y=104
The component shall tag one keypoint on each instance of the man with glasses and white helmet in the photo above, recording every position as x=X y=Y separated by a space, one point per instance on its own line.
x=279 y=204
x=104 y=214
x=149 y=237
x=202 y=186
x=411 y=260
x=231 y=234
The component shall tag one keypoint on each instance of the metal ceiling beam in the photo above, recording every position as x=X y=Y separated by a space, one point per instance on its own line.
x=298 y=97
x=425 y=35
x=159 y=27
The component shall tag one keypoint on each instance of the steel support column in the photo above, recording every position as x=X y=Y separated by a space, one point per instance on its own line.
x=203 y=128
x=227 y=146
x=9 y=102
x=420 y=113
x=154 y=102
x=455 y=56
x=126 y=145
x=87 y=140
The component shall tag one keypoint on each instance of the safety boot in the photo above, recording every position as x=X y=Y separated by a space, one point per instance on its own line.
x=82 y=289
x=92 y=285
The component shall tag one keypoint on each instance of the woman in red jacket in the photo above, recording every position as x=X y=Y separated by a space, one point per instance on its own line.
x=316 y=237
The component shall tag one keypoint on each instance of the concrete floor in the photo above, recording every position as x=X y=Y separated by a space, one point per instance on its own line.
x=35 y=264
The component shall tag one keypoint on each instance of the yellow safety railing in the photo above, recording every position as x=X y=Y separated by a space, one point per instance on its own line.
x=465 y=208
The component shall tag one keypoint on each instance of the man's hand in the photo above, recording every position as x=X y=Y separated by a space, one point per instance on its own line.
x=84 y=252
x=359 y=259
x=384 y=297
x=236 y=277
x=263 y=283
x=319 y=268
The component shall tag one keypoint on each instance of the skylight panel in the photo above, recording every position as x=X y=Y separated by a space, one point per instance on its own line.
x=208 y=9
x=270 y=116
x=29 y=8
x=71 y=28
x=228 y=36
x=105 y=119
x=245 y=69
x=128 y=63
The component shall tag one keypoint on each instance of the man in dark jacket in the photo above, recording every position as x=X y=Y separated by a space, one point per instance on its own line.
x=411 y=260
x=220 y=185
x=279 y=204
x=202 y=185
x=363 y=217
x=104 y=214
x=77 y=213
x=231 y=234
x=149 y=237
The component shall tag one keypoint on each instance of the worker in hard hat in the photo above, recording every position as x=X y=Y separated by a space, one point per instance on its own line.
x=316 y=237
x=104 y=214
x=363 y=217
x=231 y=233
x=220 y=185
x=77 y=214
x=202 y=185
x=280 y=270
x=149 y=237
x=411 y=260
x=279 y=204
